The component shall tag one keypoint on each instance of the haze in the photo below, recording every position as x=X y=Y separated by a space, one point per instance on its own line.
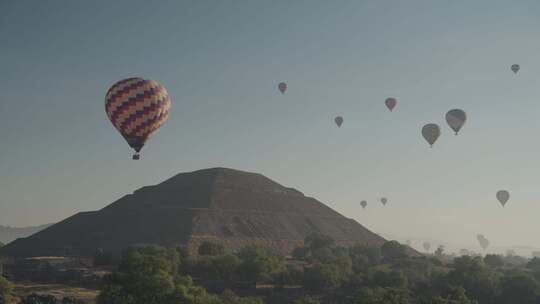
x=221 y=62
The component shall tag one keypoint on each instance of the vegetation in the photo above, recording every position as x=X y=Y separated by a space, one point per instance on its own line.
x=150 y=275
x=319 y=272
x=5 y=290
x=211 y=248
x=326 y=273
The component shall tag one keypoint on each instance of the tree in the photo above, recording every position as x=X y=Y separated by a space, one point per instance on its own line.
x=470 y=273
x=521 y=288
x=380 y=295
x=226 y=266
x=307 y=300
x=229 y=297
x=211 y=248
x=299 y=253
x=223 y=267
x=494 y=260
x=455 y=295
x=323 y=277
x=5 y=290
x=393 y=250
x=534 y=264
x=39 y=299
x=394 y=279
x=372 y=253
x=439 y=252
x=316 y=241
x=146 y=275
x=259 y=264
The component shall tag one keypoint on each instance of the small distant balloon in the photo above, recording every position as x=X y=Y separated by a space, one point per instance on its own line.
x=339 y=121
x=456 y=118
x=515 y=68
x=427 y=246
x=483 y=241
x=384 y=200
x=503 y=196
x=363 y=204
x=390 y=103
x=431 y=133
x=282 y=86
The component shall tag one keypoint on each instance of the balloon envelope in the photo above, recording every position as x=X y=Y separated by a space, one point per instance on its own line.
x=137 y=108
x=503 y=196
x=282 y=87
x=431 y=132
x=384 y=200
x=515 y=68
x=456 y=118
x=483 y=241
x=363 y=204
x=339 y=121
x=390 y=103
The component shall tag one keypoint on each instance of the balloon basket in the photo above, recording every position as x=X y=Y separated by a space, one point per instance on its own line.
x=136 y=157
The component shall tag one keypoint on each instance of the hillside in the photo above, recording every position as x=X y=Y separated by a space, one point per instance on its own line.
x=235 y=207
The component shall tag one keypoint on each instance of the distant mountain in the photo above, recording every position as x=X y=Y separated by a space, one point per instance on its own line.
x=8 y=234
x=233 y=207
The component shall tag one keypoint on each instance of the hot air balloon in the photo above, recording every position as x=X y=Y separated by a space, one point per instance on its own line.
x=339 y=121
x=484 y=243
x=515 y=68
x=363 y=204
x=431 y=132
x=427 y=245
x=456 y=119
x=390 y=103
x=384 y=200
x=137 y=108
x=282 y=86
x=503 y=196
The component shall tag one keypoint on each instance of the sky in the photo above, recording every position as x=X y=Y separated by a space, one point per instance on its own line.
x=221 y=62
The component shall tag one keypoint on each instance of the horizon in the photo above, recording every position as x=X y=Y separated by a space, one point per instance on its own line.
x=61 y=155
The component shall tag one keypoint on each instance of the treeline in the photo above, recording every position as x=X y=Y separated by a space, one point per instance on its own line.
x=325 y=273
x=320 y=272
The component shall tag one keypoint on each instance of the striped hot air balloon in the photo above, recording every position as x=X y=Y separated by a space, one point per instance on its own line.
x=137 y=108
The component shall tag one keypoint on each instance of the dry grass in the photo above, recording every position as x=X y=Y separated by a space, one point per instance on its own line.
x=57 y=290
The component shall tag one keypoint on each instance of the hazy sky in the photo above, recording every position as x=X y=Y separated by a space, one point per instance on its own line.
x=221 y=62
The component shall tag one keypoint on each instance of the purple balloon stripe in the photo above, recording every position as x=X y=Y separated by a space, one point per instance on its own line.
x=139 y=113
x=132 y=101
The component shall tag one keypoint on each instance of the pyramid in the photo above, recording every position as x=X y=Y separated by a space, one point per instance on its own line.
x=233 y=207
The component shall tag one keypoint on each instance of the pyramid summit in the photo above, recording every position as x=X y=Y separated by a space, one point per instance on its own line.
x=233 y=207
